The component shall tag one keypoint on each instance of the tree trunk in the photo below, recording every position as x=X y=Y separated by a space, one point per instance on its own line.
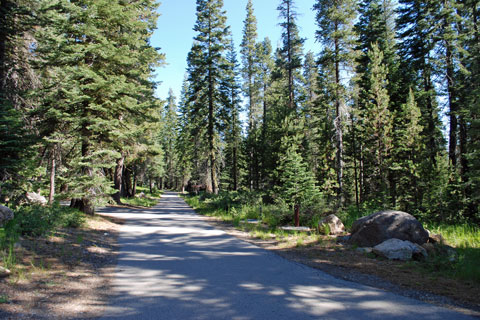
x=338 y=127
x=84 y=204
x=452 y=147
x=134 y=186
x=117 y=180
x=128 y=182
x=354 y=142
x=52 y=177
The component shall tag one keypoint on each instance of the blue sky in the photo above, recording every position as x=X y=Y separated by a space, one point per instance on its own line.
x=174 y=34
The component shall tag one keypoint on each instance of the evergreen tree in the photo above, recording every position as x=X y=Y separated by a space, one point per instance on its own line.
x=16 y=77
x=418 y=24
x=405 y=162
x=296 y=182
x=291 y=51
x=104 y=89
x=169 y=137
x=250 y=72
x=336 y=33
x=230 y=89
x=184 y=145
x=266 y=65
x=377 y=126
x=205 y=67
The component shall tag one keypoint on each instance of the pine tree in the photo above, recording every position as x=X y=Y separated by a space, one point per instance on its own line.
x=184 y=145
x=310 y=91
x=296 y=182
x=169 y=137
x=291 y=51
x=104 y=89
x=335 y=32
x=250 y=72
x=418 y=25
x=205 y=66
x=405 y=162
x=232 y=129
x=266 y=65
x=16 y=77
x=377 y=126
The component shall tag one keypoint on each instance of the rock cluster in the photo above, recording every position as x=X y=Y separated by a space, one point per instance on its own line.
x=378 y=227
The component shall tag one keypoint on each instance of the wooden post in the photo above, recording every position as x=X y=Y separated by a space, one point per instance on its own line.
x=297 y=215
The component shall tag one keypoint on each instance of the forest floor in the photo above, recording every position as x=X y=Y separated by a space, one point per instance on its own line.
x=67 y=275
x=342 y=261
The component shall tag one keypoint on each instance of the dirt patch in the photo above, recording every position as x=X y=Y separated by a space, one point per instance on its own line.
x=63 y=276
x=342 y=261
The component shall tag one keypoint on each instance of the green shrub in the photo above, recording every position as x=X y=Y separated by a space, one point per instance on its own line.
x=38 y=221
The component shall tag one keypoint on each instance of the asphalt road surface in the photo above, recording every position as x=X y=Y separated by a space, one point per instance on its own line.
x=174 y=265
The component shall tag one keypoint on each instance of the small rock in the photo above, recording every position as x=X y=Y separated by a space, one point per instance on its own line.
x=35 y=198
x=430 y=248
x=364 y=250
x=5 y=214
x=396 y=249
x=335 y=225
x=4 y=272
x=436 y=238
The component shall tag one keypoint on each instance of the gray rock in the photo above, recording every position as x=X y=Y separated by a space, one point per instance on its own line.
x=4 y=272
x=364 y=250
x=35 y=198
x=435 y=238
x=5 y=214
x=335 y=225
x=396 y=249
x=374 y=229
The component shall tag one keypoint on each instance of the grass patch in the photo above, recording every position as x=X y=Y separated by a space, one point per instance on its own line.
x=140 y=202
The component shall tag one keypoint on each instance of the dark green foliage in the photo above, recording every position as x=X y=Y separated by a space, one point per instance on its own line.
x=206 y=65
x=335 y=31
x=39 y=221
x=296 y=181
x=232 y=129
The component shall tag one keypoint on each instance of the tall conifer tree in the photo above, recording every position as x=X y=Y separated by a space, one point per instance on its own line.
x=206 y=63
x=335 y=31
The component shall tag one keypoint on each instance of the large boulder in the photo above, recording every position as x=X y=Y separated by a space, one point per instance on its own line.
x=383 y=225
x=335 y=225
x=396 y=249
x=36 y=198
x=5 y=214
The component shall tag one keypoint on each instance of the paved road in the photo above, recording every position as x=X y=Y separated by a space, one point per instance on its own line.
x=173 y=265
